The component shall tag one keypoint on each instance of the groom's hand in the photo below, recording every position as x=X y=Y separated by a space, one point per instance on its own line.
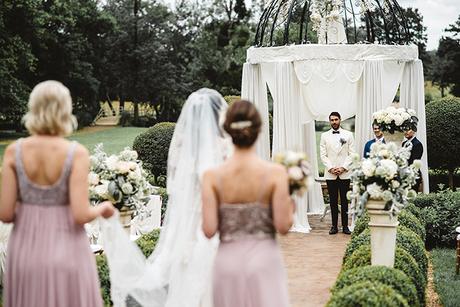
x=333 y=170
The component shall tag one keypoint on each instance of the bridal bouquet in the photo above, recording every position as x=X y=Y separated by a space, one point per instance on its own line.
x=298 y=169
x=394 y=119
x=118 y=178
x=385 y=175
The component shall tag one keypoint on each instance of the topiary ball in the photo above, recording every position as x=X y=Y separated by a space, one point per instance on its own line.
x=152 y=147
x=366 y=294
x=411 y=242
x=362 y=223
x=403 y=261
x=409 y=220
x=364 y=238
x=148 y=241
x=394 y=278
x=415 y=211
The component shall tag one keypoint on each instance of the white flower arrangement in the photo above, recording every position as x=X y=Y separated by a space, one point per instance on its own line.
x=118 y=178
x=394 y=119
x=385 y=175
x=298 y=168
x=323 y=13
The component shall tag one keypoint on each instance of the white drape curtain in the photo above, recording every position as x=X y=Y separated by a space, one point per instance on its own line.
x=413 y=96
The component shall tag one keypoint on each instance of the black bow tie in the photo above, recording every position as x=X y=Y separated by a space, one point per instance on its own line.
x=335 y=132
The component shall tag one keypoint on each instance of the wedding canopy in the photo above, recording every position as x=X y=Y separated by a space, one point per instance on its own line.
x=309 y=81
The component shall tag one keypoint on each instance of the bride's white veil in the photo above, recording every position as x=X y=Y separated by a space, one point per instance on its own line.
x=178 y=273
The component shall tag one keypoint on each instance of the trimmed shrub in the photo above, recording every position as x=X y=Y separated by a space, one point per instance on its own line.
x=152 y=147
x=441 y=214
x=146 y=243
x=394 y=278
x=403 y=261
x=410 y=241
x=230 y=99
x=366 y=294
x=405 y=238
x=363 y=238
x=442 y=134
x=410 y=207
x=409 y=220
x=362 y=223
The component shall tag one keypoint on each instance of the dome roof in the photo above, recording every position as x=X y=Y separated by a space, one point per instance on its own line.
x=286 y=22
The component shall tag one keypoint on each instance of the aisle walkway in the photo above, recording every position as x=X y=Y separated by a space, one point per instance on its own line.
x=313 y=262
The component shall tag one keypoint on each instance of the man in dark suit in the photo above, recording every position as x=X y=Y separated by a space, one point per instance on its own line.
x=416 y=152
x=378 y=138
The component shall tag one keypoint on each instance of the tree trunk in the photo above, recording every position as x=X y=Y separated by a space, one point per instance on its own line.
x=451 y=179
x=442 y=91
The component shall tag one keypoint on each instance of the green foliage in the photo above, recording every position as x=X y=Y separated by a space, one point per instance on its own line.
x=363 y=238
x=362 y=223
x=409 y=220
x=411 y=242
x=163 y=192
x=148 y=241
x=104 y=278
x=394 y=278
x=441 y=214
x=403 y=261
x=410 y=207
x=153 y=146
x=442 y=134
x=367 y=293
x=231 y=99
x=146 y=244
x=447 y=284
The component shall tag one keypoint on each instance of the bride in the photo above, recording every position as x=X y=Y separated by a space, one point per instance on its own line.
x=178 y=273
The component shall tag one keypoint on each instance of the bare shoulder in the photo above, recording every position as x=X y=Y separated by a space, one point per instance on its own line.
x=210 y=174
x=277 y=169
x=81 y=152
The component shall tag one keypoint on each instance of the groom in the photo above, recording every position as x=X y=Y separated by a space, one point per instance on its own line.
x=336 y=147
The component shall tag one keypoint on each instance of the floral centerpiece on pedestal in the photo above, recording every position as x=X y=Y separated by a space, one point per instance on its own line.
x=395 y=119
x=298 y=168
x=119 y=178
x=385 y=176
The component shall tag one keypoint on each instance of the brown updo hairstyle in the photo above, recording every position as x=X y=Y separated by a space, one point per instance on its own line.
x=242 y=123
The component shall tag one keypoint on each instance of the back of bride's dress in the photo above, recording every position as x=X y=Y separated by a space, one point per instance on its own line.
x=248 y=269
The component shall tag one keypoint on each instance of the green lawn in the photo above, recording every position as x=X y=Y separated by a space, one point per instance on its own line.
x=114 y=139
x=446 y=282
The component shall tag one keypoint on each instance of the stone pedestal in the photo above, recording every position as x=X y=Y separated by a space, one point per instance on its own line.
x=397 y=138
x=125 y=219
x=383 y=233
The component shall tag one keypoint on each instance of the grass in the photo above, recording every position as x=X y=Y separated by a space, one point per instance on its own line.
x=446 y=282
x=114 y=139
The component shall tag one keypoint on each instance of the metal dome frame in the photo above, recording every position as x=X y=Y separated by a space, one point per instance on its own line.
x=385 y=18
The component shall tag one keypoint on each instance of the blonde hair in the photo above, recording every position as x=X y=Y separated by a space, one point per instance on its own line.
x=50 y=110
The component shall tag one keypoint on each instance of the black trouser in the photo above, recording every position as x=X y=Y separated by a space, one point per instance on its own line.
x=334 y=187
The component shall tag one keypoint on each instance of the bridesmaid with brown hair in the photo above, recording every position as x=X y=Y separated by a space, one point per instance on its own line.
x=247 y=201
x=44 y=193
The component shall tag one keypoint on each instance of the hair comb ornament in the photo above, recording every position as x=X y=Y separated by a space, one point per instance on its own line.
x=240 y=125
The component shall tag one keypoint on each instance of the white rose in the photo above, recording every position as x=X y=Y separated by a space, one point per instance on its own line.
x=292 y=158
x=405 y=116
x=102 y=190
x=411 y=112
x=135 y=175
x=387 y=169
x=395 y=184
x=127 y=188
x=387 y=120
x=374 y=190
x=111 y=162
x=417 y=164
x=398 y=120
x=132 y=165
x=123 y=167
x=295 y=173
x=411 y=194
x=93 y=178
x=368 y=168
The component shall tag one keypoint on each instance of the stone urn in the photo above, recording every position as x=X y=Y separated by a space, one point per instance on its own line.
x=397 y=137
x=125 y=217
x=383 y=233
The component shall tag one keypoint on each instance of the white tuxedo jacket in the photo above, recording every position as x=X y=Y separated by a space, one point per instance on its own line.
x=336 y=151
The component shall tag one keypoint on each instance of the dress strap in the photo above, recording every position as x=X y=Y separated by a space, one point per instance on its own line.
x=69 y=158
x=19 y=165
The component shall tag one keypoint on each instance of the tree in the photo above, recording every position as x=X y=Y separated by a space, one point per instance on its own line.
x=442 y=135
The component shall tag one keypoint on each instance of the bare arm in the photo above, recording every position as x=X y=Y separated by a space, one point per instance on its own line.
x=209 y=200
x=283 y=205
x=9 y=191
x=79 y=194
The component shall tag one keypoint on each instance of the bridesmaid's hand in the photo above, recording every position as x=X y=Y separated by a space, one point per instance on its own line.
x=107 y=209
